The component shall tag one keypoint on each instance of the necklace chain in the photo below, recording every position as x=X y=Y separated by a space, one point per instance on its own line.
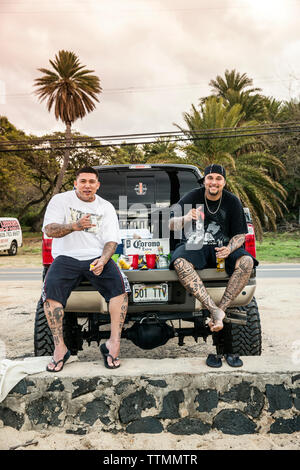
x=206 y=203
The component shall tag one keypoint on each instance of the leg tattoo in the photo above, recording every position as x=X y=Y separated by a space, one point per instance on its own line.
x=54 y=313
x=55 y=322
x=118 y=310
x=123 y=313
x=192 y=282
x=237 y=281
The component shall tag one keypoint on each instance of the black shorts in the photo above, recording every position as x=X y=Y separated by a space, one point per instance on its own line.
x=206 y=257
x=65 y=273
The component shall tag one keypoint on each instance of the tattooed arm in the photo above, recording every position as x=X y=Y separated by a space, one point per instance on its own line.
x=108 y=251
x=61 y=230
x=177 y=223
x=236 y=242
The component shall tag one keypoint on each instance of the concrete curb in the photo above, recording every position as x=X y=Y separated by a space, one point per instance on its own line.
x=182 y=396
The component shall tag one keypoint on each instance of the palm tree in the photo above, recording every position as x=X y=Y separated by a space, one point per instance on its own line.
x=248 y=166
x=234 y=89
x=274 y=109
x=71 y=90
x=287 y=147
x=161 y=151
x=233 y=81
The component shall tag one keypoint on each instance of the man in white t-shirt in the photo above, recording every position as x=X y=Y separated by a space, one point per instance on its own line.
x=85 y=232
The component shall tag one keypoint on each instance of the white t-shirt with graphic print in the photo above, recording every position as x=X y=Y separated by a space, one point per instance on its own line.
x=65 y=208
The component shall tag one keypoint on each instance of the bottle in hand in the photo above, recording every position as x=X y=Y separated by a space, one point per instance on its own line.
x=220 y=261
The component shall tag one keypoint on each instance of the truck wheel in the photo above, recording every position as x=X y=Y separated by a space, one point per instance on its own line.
x=43 y=339
x=72 y=333
x=244 y=340
x=13 y=250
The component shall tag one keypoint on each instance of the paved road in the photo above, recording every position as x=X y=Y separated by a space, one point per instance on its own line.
x=278 y=270
x=20 y=274
x=263 y=271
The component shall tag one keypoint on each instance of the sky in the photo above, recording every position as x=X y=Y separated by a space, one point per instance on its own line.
x=154 y=58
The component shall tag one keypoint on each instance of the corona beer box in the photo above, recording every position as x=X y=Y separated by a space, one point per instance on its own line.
x=140 y=246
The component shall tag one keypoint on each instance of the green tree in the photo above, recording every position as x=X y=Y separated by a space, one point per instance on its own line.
x=248 y=164
x=273 y=109
x=72 y=90
x=233 y=81
x=15 y=175
x=234 y=89
x=164 y=150
x=287 y=147
x=45 y=168
x=29 y=168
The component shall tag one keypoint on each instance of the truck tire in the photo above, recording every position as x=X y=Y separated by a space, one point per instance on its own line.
x=244 y=340
x=13 y=250
x=43 y=339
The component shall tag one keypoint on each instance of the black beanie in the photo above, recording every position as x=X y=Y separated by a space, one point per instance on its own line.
x=214 y=168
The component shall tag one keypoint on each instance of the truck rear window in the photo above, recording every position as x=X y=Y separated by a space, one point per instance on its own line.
x=161 y=188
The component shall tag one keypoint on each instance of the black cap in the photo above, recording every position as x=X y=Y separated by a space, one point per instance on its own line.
x=214 y=168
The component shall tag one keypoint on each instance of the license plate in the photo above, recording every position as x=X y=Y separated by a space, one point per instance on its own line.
x=150 y=293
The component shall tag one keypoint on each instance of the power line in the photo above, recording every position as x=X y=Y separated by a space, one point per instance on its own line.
x=142 y=89
x=218 y=131
x=167 y=134
x=175 y=138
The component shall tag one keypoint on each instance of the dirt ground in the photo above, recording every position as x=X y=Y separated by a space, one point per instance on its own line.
x=278 y=300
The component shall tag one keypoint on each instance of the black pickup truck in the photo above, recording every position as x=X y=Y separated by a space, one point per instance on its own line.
x=159 y=306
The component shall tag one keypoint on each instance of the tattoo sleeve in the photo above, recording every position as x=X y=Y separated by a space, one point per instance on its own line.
x=59 y=230
x=236 y=242
x=193 y=284
x=108 y=250
x=237 y=281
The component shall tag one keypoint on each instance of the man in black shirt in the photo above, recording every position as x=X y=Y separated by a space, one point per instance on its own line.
x=224 y=224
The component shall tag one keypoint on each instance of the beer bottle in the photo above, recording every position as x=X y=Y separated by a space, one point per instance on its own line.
x=220 y=261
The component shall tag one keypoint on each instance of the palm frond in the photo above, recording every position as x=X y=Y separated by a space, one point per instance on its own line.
x=70 y=88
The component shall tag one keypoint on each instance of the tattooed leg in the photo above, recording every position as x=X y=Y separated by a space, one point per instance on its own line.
x=192 y=282
x=237 y=281
x=54 y=313
x=118 y=310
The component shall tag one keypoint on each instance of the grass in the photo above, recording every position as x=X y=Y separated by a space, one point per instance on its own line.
x=279 y=247
x=32 y=243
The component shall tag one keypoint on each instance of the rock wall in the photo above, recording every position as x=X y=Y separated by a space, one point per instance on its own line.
x=231 y=401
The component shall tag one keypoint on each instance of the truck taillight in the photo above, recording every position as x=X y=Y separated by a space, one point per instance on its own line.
x=250 y=244
x=46 y=250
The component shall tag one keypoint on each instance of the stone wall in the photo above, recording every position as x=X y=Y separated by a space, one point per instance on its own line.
x=231 y=401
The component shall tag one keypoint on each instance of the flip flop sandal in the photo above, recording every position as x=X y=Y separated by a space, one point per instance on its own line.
x=63 y=360
x=214 y=360
x=233 y=360
x=105 y=354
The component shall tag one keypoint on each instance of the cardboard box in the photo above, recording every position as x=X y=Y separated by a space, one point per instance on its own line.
x=140 y=246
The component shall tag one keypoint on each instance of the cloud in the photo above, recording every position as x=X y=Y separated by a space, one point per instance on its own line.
x=154 y=58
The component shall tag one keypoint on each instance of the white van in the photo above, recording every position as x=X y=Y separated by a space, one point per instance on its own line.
x=10 y=235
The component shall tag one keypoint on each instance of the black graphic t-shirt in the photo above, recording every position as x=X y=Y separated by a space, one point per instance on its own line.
x=228 y=221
